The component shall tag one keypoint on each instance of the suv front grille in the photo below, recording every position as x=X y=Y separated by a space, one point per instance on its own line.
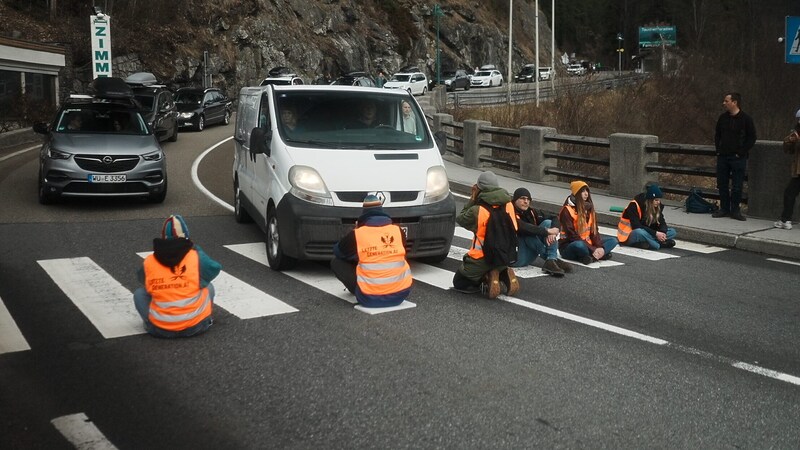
x=106 y=163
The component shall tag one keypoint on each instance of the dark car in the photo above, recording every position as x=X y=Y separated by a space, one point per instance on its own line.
x=100 y=146
x=455 y=79
x=158 y=105
x=527 y=74
x=355 y=79
x=198 y=107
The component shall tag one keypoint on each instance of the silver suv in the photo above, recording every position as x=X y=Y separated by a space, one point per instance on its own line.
x=101 y=145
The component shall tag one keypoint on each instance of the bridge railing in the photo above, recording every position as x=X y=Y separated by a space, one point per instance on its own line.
x=622 y=163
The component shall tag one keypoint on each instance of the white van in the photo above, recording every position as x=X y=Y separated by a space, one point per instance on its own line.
x=306 y=156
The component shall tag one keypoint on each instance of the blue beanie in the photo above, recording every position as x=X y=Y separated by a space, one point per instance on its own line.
x=653 y=191
x=174 y=227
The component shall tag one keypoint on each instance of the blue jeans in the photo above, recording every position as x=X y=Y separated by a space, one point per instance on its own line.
x=640 y=235
x=730 y=181
x=577 y=250
x=141 y=299
x=531 y=247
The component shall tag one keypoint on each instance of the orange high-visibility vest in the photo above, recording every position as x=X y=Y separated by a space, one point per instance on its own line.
x=586 y=233
x=476 y=251
x=382 y=268
x=178 y=302
x=624 y=226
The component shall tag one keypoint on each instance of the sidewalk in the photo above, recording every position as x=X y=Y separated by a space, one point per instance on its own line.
x=755 y=235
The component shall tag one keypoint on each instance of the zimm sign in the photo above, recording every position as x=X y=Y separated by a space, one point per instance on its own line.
x=101 y=45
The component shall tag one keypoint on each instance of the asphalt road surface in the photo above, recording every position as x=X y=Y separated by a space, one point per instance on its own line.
x=692 y=347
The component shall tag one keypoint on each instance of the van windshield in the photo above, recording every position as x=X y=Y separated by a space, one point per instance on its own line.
x=335 y=119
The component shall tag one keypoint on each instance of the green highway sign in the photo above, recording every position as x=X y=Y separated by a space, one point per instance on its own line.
x=657 y=36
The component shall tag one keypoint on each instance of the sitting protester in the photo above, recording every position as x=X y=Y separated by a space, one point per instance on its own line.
x=538 y=236
x=476 y=274
x=580 y=240
x=642 y=223
x=371 y=259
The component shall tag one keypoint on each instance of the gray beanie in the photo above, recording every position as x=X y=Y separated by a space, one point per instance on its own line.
x=487 y=180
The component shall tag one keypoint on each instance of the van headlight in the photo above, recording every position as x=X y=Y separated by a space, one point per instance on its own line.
x=436 y=187
x=308 y=185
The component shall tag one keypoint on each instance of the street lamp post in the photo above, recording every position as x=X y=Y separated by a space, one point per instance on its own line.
x=437 y=12
x=510 y=21
x=620 y=49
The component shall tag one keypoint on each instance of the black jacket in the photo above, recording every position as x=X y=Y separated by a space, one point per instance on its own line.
x=528 y=222
x=735 y=135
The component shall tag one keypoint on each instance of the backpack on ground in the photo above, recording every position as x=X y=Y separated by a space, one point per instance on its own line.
x=500 y=242
x=695 y=203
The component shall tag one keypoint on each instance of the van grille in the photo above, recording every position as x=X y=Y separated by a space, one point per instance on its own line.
x=394 y=196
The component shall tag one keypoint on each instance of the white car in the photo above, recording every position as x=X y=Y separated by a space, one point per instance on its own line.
x=413 y=82
x=576 y=69
x=487 y=78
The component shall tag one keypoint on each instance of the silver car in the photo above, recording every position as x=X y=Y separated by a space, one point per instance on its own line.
x=100 y=147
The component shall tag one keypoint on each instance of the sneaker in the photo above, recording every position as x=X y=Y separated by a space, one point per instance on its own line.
x=738 y=216
x=606 y=257
x=669 y=243
x=509 y=280
x=565 y=266
x=784 y=224
x=492 y=282
x=587 y=260
x=720 y=213
x=550 y=267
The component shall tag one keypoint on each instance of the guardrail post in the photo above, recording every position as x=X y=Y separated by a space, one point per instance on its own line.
x=439 y=98
x=627 y=160
x=767 y=175
x=532 y=146
x=442 y=122
x=472 y=139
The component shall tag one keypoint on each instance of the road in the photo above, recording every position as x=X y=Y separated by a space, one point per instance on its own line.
x=694 y=350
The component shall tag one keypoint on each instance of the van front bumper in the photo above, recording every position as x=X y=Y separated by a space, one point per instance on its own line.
x=309 y=231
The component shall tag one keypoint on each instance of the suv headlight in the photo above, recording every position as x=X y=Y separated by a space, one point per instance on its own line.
x=153 y=156
x=308 y=185
x=186 y=115
x=55 y=154
x=436 y=187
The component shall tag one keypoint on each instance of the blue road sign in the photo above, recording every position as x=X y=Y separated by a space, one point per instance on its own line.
x=792 y=40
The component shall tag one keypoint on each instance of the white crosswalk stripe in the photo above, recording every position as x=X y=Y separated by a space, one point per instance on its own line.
x=11 y=339
x=101 y=298
x=243 y=300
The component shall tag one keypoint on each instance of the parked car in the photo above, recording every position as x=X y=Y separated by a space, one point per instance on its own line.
x=576 y=69
x=455 y=79
x=157 y=104
x=526 y=74
x=487 y=78
x=282 y=76
x=199 y=107
x=101 y=146
x=413 y=82
x=545 y=73
x=355 y=79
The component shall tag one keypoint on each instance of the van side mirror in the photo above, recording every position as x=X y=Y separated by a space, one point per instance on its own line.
x=40 y=127
x=441 y=141
x=260 y=141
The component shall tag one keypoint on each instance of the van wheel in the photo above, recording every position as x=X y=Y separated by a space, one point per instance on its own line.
x=277 y=259
x=239 y=214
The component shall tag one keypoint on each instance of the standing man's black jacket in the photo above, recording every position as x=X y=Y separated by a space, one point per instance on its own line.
x=735 y=135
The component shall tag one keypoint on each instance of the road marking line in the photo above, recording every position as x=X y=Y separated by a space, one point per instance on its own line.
x=101 y=298
x=783 y=261
x=243 y=300
x=18 y=152
x=11 y=339
x=594 y=265
x=683 y=245
x=651 y=255
x=81 y=432
x=196 y=178
x=372 y=311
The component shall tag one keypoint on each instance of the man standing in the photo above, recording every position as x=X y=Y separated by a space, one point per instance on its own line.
x=734 y=137
x=371 y=259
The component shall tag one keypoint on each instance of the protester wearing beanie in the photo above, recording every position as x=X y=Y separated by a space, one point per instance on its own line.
x=642 y=222
x=176 y=309
x=370 y=260
x=538 y=236
x=476 y=274
x=580 y=240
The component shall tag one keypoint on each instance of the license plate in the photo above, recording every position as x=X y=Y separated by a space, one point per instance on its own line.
x=107 y=178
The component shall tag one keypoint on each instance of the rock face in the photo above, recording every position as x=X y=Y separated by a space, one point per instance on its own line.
x=331 y=37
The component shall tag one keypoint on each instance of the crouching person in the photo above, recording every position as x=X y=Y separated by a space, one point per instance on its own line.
x=476 y=274
x=642 y=223
x=177 y=297
x=371 y=259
